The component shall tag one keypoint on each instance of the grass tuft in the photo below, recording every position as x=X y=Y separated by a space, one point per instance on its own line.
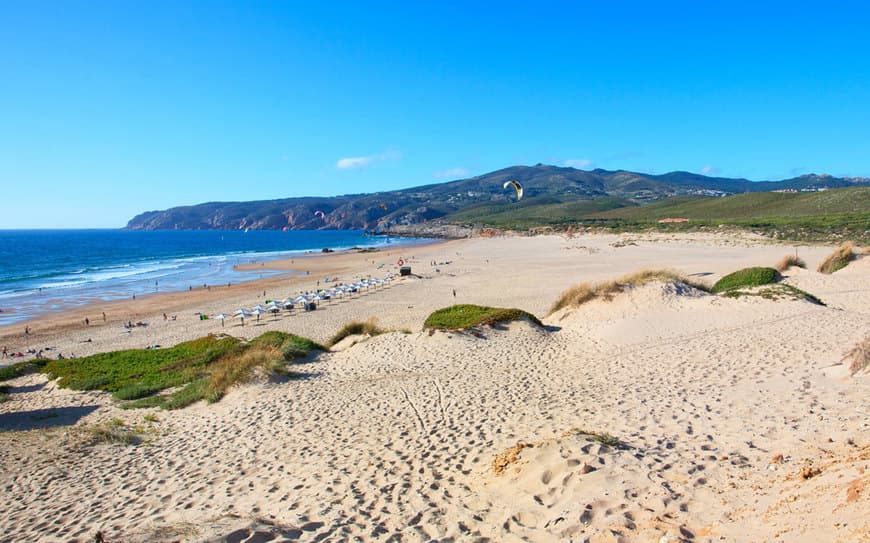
x=368 y=327
x=747 y=277
x=464 y=316
x=112 y=433
x=859 y=356
x=586 y=292
x=240 y=370
x=839 y=259
x=599 y=437
x=788 y=261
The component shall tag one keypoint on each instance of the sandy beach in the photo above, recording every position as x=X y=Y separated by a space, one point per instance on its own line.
x=733 y=419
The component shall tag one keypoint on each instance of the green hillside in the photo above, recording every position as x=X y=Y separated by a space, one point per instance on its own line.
x=825 y=215
x=750 y=205
x=540 y=211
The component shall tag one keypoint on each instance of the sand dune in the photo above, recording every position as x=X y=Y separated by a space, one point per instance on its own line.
x=719 y=406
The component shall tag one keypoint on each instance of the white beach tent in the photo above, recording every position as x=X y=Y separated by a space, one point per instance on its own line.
x=242 y=313
x=221 y=316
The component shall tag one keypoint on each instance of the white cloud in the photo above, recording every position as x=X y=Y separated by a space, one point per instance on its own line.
x=709 y=170
x=579 y=163
x=451 y=172
x=353 y=162
x=349 y=163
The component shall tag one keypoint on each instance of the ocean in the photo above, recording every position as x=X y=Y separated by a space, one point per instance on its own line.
x=44 y=271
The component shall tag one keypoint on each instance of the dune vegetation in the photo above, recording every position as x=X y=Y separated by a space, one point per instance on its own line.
x=789 y=261
x=859 y=356
x=464 y=316
x=202 y=369
x=368 y=327
x=775 y=291
x=586 y=292
x=763 y=283
x=839 y=259
x=21 y=368
x=747 y=277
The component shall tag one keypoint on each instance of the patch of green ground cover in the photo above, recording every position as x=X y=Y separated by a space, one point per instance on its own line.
x=747 y=277
x=202 y=369
x=463 y=316
x=21 y=368
x=135 y=373
x=777 y=291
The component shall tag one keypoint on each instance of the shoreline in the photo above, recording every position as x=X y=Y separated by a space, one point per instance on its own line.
x=49 y=328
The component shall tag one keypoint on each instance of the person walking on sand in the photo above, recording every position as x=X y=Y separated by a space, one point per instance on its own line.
x=5 y=352
x=104 y=316
x=454 y=293
x=87 y=321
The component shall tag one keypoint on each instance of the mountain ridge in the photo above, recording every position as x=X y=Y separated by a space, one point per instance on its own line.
x=543 y=185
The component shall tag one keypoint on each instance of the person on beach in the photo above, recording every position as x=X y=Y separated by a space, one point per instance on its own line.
x=165 y=317
x=87 y=321
x=5 y=352
x=104 y=316
x=454 y=293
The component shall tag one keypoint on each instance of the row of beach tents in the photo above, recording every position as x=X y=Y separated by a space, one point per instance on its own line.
x=307 y=301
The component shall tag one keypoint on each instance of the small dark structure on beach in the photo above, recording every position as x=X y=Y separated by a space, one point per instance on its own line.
x=405 y=270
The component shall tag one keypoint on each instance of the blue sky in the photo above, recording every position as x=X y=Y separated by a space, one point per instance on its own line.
x=110 y=109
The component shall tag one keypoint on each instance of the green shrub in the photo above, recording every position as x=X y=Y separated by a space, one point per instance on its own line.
x=461 y=317
x=747 y=277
